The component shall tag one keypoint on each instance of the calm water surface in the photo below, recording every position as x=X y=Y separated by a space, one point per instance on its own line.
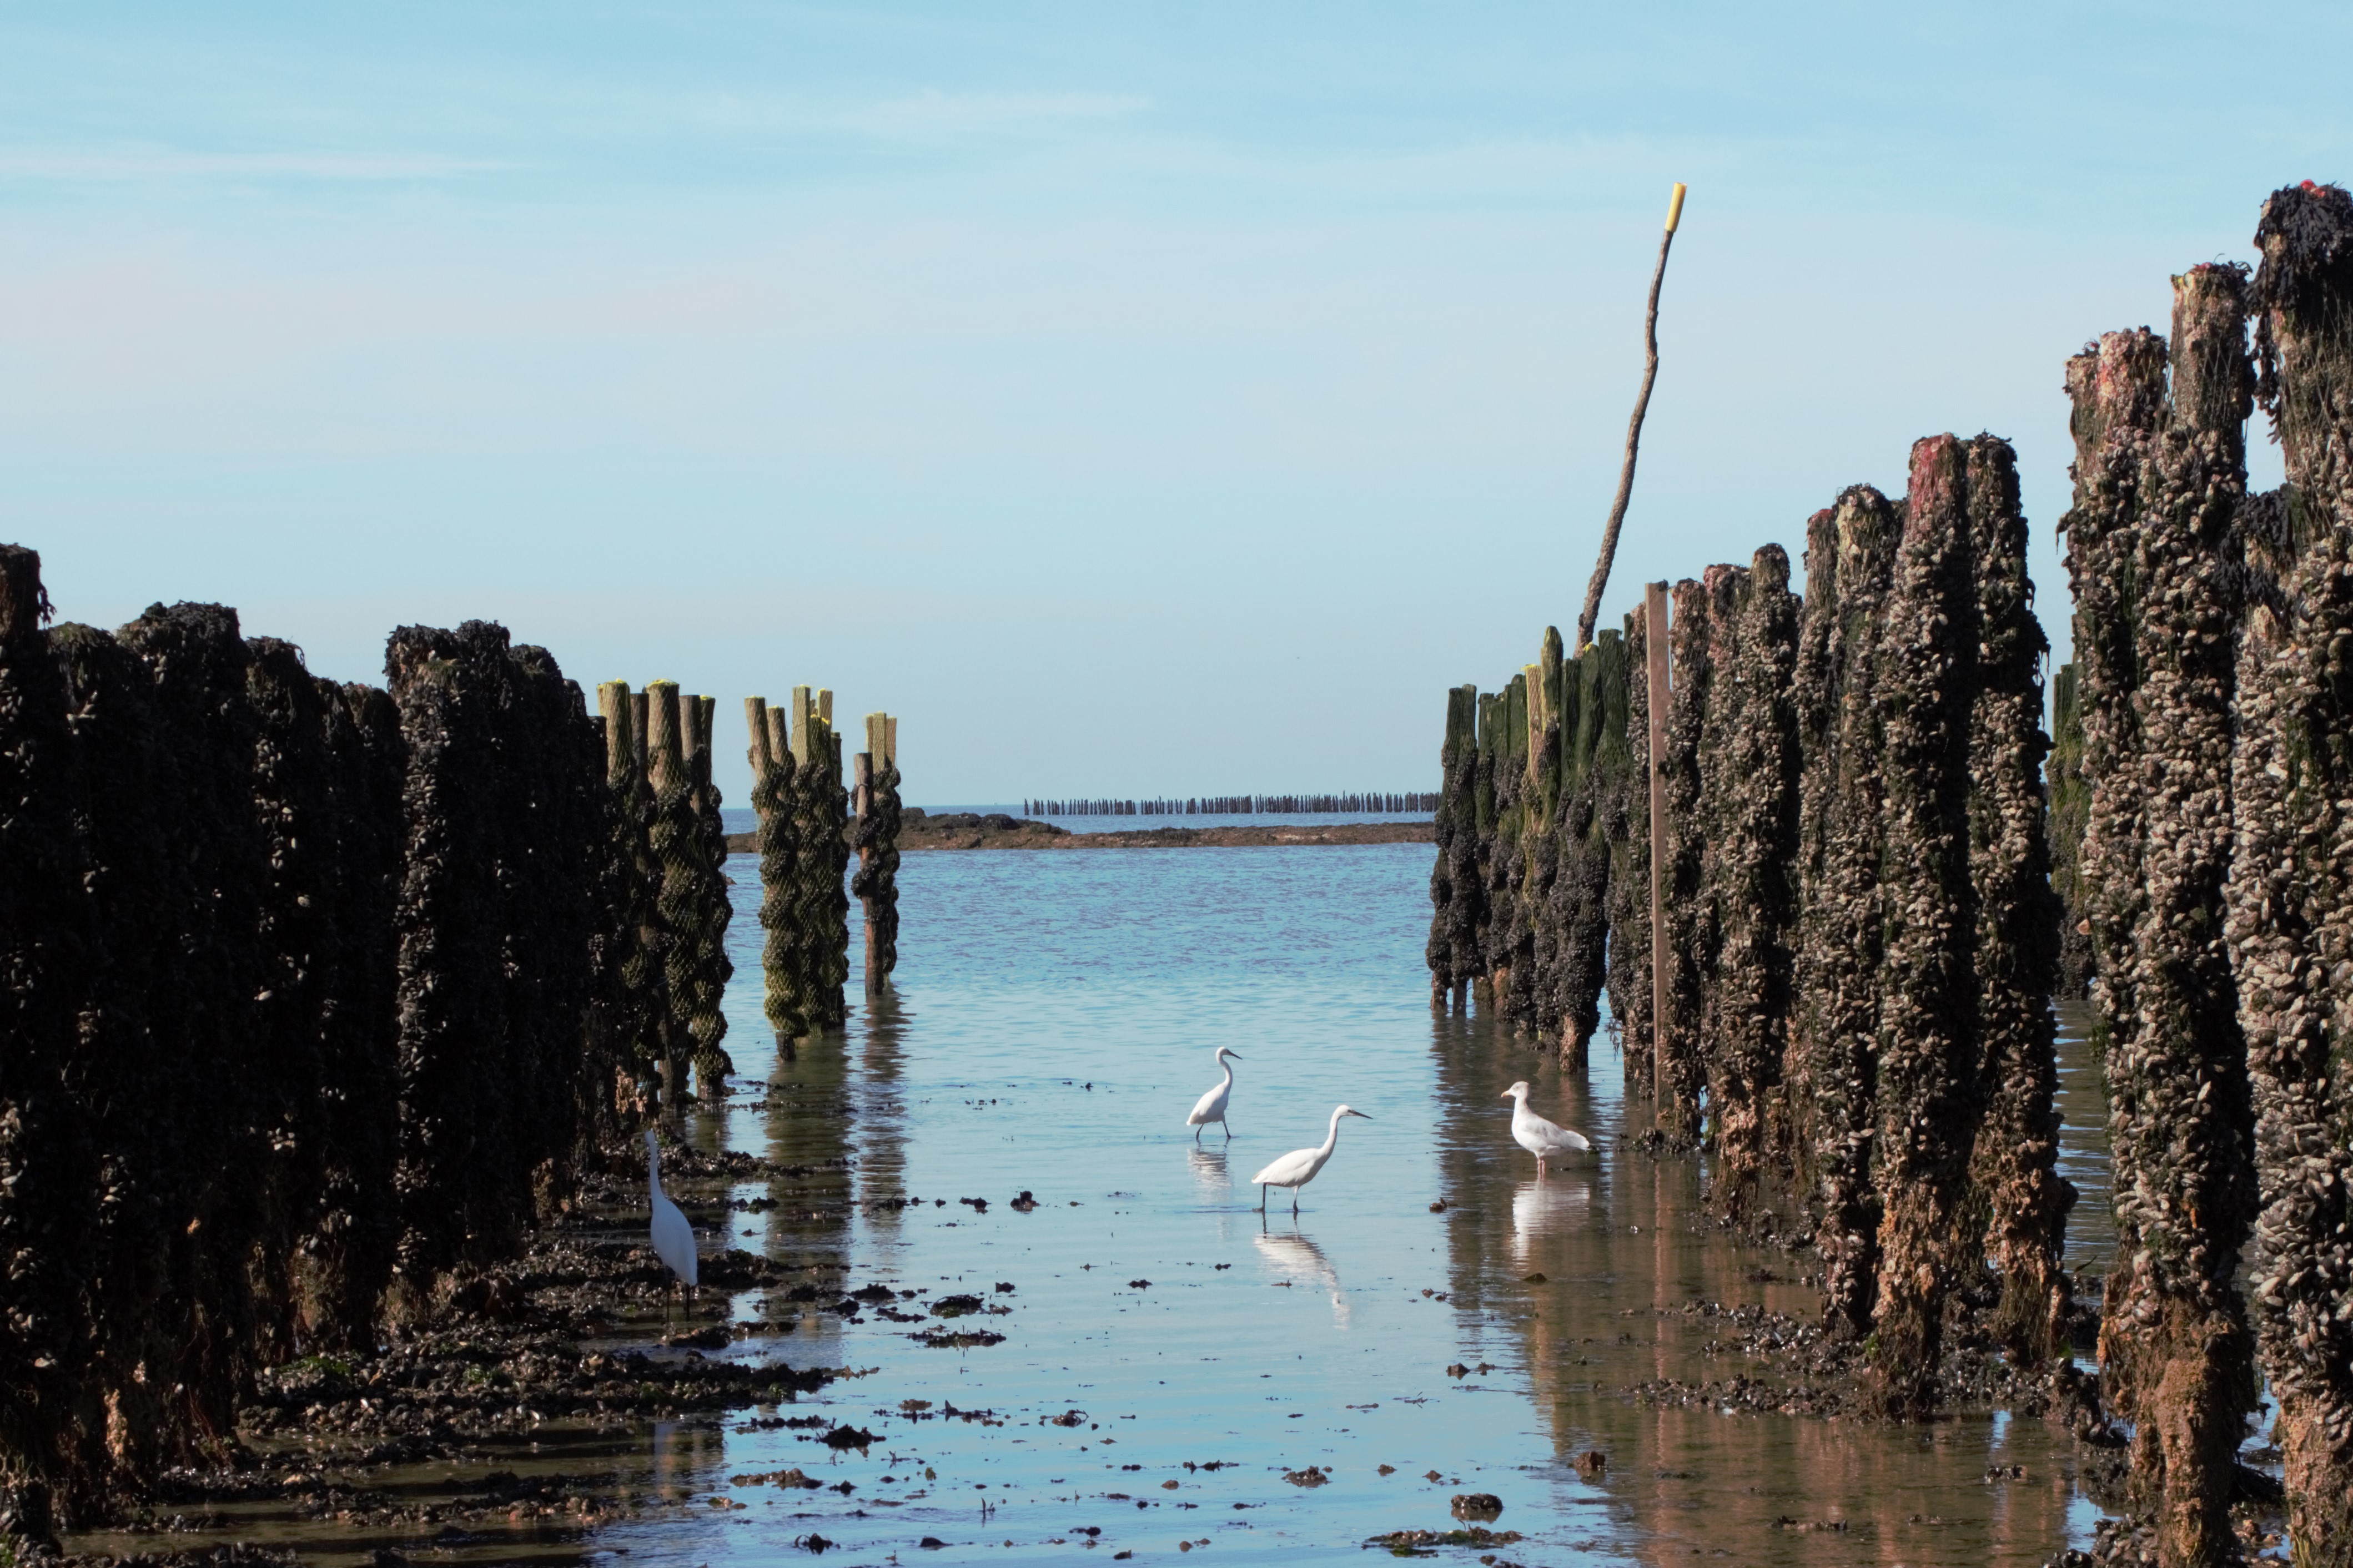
x=1054 y=1019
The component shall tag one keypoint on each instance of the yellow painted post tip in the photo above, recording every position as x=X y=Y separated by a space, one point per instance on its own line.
x=1675 y=207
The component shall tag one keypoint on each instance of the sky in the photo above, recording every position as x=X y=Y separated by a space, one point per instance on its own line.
x=1137 y=399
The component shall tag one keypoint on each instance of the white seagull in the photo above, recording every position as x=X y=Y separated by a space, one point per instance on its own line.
x=1536 y=1135
x=673 y=1238
x=1298 y=1168
x=1211 y=1106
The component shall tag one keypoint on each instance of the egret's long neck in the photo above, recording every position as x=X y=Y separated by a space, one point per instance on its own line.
x=1330 y=1139
x=653 y=1167
x=1228 y=1065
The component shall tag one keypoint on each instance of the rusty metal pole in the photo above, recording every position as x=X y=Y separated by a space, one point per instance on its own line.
x=1654 y=638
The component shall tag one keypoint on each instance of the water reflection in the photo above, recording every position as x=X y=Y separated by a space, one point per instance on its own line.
x=882 y=1111
x=683 y=1454
x=1212 y=1180
x=1300 y=1261
x=1542 y=1206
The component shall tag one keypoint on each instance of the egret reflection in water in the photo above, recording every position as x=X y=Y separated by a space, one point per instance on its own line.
x=1300 y=1262
x=1210 y=1178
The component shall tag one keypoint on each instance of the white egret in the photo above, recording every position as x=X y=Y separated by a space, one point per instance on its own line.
x=1298 y=1168
x=1536 y=1135
x=673 y=1238
x=1211 y=1106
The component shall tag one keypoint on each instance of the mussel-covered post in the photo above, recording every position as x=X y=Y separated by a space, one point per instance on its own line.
x=712 y=968
x=2071 y=801
x=1551 y=720
x=1753 y=744
x=876 y=883
x=833 y=952
x=1928 y=1094
x=1511 y=934
x=1592 y=832
x=642 y=982
x=1690 y=947
x=821 y=906
x=1628 y=825
x=676 y=838
x=2151 y=549
x=1455 y=892
x=53 y=1457
x=2292 y=892
x=770 y=756
x=2016 y=923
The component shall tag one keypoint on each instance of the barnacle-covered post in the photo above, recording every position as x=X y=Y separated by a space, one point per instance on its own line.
x=2292 y=890
x=712 y=968
x=1454 y=888
x=1754 y=746
x=2152 y=554
x=2017 y=947
x=1930 y=1097
x=1487 y=708
x=1691 y=931
x=1628 y=811
x=2071 y=801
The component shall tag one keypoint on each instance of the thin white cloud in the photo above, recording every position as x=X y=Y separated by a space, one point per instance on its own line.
x=167 y=163
x=932 y=113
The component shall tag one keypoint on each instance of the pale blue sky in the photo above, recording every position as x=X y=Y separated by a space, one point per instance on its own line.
x=1135 y=399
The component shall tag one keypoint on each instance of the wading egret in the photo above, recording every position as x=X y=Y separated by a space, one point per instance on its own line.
x=1536 y=1135
x=1298 y=1168
x=673 y=1238
x=1211 y=1106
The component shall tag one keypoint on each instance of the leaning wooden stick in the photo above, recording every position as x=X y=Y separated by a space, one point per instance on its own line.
x=1592 y=611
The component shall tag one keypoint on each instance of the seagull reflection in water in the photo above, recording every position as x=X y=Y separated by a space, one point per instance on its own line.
x=1540 y=1208
x=1300 y=1262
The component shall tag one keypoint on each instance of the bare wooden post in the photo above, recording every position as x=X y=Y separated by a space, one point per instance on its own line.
x=1592 y=611
x=1659 y=688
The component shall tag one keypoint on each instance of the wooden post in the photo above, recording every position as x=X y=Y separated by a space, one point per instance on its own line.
x=862 y=799
x=1659 y=684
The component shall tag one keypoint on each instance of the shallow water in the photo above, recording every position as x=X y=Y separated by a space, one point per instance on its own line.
x=1054 y=1019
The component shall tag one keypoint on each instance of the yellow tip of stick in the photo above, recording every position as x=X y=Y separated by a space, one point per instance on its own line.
x=1675 y=207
